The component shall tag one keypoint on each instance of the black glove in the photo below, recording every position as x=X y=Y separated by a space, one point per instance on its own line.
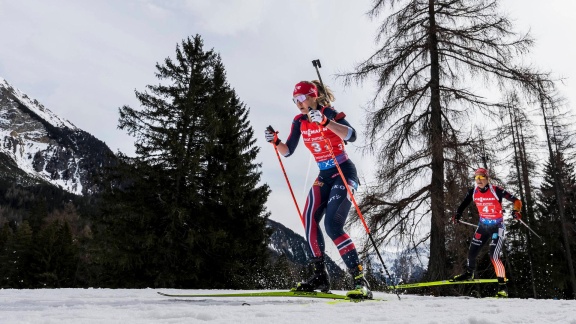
x=456 y=218
x=516 y=214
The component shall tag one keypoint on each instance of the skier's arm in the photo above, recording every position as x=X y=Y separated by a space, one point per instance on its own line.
x=339 y=125
x=467 y=200
x=502 y=193
x=293 y=138
x=283 y=149
x=343 y=129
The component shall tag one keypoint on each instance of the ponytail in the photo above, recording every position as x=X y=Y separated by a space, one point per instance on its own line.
x=325 y=94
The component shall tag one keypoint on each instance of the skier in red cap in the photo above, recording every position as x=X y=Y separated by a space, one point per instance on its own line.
x=488 y=200
x=318 y=123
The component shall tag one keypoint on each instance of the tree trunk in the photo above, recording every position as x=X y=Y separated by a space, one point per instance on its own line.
x=436 y=265
x=519 y=159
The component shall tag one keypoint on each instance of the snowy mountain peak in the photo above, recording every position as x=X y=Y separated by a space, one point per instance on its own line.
x=46 y=147
x=36 y=107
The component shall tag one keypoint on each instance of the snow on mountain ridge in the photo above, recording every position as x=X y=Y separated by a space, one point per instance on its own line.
x=43 y=145
x=36 y=107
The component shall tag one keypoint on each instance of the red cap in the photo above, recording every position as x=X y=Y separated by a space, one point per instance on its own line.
x=305 y=88
x=481 y=171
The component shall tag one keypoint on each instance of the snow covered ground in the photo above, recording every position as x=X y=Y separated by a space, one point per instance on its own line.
x=128 y=306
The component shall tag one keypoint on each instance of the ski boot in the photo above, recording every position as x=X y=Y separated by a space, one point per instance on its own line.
x=502 y=289
x=320 y=280
x=361 y=287
x=468 y=275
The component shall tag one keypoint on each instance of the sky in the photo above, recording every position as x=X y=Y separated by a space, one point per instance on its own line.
x=83 y=60
x=125 y=306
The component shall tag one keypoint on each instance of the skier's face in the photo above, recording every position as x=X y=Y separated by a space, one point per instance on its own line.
x=481 y=180
x=303 y=102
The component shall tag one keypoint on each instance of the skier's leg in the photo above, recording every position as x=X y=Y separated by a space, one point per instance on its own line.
x=478 y=240
x=498 y=237
x=339 y=204
x=336 y=213
x=313 y=213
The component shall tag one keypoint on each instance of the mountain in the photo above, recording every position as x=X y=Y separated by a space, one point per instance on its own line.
x=37 y=146
x=406 y=265
x=285 y=243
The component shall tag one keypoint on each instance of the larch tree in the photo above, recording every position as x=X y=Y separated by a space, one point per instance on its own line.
x=517 y=136
x=437 y=67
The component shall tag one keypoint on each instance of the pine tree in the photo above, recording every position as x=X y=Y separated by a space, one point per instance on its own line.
x=55 y=256
x=551 y=264
x=15 y=259
x=191 y=213
x=5 y=235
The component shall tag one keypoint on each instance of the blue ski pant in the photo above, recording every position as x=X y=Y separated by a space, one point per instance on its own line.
x=495 y=233
x=328 y=199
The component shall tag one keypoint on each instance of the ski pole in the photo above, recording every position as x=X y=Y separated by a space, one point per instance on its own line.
x=528 y=227
x=466 y=223
x=285 y=175
x=316 y=64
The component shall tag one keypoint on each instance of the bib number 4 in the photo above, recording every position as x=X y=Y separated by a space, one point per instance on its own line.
x=487 y=209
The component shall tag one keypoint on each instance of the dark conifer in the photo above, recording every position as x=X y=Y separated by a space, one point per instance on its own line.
x=192 y=212
x=552 y=267
x=16 y=257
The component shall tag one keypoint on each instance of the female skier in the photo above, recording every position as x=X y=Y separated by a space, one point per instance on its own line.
x=321 y=126
x=488 y=200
